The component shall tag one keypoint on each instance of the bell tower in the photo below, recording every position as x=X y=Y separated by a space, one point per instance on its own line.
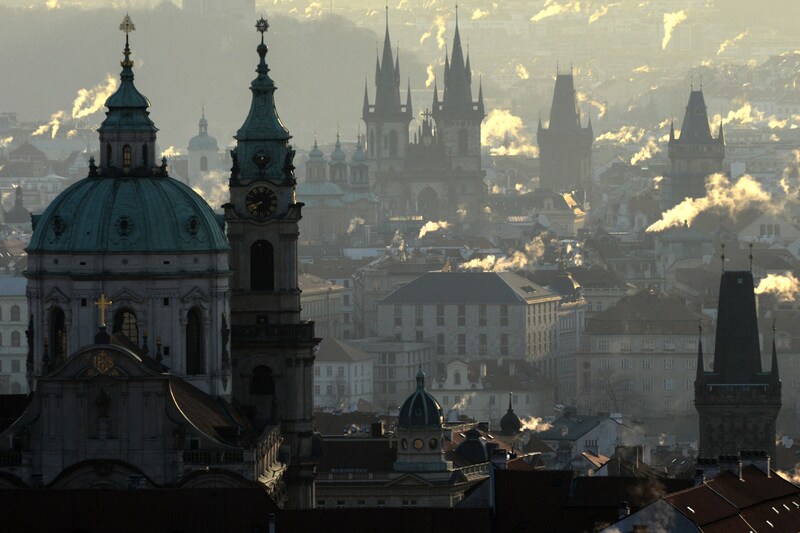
x=272 y=349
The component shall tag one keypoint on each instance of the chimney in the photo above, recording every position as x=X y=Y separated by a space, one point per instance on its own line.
x=732 y=463
x=699 y=477
x=376 y=429
x=623 y=510
x=483 y=426
x=758 y=458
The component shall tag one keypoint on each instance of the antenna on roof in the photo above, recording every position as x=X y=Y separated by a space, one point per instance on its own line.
x=751 y=257
x=723 y=257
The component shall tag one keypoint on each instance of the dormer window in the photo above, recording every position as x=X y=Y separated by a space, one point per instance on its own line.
x=144 y=155
x=126 y=156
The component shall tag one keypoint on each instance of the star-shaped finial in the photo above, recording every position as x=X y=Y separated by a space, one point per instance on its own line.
x=127 y=25
x=262 y=25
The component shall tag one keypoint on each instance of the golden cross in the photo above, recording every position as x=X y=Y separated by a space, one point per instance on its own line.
x=127 y=25
x=103 y=303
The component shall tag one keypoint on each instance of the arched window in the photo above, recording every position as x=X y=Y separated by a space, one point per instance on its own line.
x=204 y=163
x=16 y=339
x=262 y=266
x=392 y=143
x=145 y=155
x=15 y=313
x=463 y=142
x=261 y=382
x=58 y=333
x=126 y=156
x=195 y=358
x=108 y=154
x=125 y=323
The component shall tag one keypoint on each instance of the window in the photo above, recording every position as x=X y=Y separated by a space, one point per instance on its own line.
x=626 y=345
x=203 y=164
x=346 y=299
x=317 y=371
x=145 y=156
x=503 y=344
x=15 y=365
x=58 y=333
x=15 y=313
x=669 y=363
x=492 y=399
x=462 y=314
x=126 y=156
x=316 y=390
x=440 y=344
x=669 y=384
x=691 y=364
x=195 y=356
x=626 y=363
x=329 y=370
x=440 y=315
x=398 y=315
x=462 y=344
x=457 y=378
x=108 y=154
x=669 y=345
x=419 y=336
x=482 y=344
x=340 y=371
x=647 y=363
x=627 y=384
x=125 y=323
x=648 y=344
x=603 y=345
x=418 y=316
x=605 y=363
x=329 y=390
x=261 y=381
x=647 y=384
x=482 y=315
x=262 y=266
x=503 y=315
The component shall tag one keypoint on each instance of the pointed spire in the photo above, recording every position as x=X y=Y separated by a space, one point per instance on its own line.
x=510 y=409
x=408 y=99
x=420 y=379
x=672 y=130
x=435 y=96
x=721 y=135
x=775 y=375
x=700 y=361
x=365 y=108
x=481 y=107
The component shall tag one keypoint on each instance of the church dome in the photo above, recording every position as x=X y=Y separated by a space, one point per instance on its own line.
x=472 y=448
x=128 y=214
x=359 y=156
x=510 y=424
x=203 y=141
x=338 y=154
x=420 y=409
x=316 y=154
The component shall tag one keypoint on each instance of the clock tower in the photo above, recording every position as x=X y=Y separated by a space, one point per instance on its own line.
x=272 y=349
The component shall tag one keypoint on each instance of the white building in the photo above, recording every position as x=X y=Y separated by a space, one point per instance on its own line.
x=343 y=377
x=13 y=343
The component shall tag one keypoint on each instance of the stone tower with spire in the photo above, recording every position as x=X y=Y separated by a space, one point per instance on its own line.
x=565 y=145
x=387 y=119
x=737 y=401
x=458 y=118
x=693 y=155
x=272 y=348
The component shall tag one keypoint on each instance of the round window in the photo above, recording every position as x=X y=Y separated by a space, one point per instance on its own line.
x=419 y=444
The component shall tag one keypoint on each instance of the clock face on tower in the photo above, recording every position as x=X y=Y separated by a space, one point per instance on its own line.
x=261 y=201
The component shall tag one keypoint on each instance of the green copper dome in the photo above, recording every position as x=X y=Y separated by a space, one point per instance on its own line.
x=136 y=215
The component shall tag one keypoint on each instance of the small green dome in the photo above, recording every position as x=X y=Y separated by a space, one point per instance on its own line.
x=128 y=214
x=338 y=154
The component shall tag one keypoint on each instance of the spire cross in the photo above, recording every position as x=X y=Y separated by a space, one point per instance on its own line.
x=262 y=25
x=127 y=26
x=103 y=303
x=427 y=114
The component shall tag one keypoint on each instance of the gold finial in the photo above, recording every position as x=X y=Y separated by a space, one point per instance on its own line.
x=103 y=304
x=127 y=25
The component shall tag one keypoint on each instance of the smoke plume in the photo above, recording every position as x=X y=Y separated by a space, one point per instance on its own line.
x=52 y=126
x=504 y=134
x=625 y=135
x=552 y=8
x=432 y=226
x=522 y=72
x=170 y=152
x=90 y=101
x=597 y=104
x=515 y=260
x=730 y=42
x=431 y=76
x=785 y=286
x=534 y=424
x=602 y=12
x=479 y=14
x=671 y=21
x=213 y=188
x=648 y=151
x=354 y=223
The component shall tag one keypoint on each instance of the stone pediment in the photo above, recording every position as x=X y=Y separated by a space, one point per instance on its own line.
x=126 y=296
x=102 y=360
x=410 y=480
x=195 y=296
x=56 y=296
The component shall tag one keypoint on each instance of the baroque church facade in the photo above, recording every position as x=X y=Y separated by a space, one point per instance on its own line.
x=437 y=174
x=164 y=352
